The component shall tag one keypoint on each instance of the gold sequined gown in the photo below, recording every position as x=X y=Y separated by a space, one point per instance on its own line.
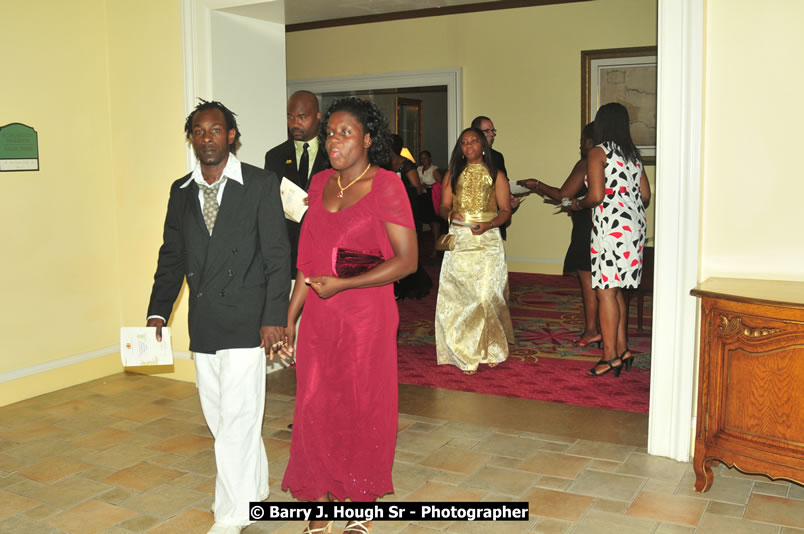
x=473 y=324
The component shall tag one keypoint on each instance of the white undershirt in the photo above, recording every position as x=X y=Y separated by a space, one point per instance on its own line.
x=232 y=171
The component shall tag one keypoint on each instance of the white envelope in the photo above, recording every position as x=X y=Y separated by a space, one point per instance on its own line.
x=517 y=189
x=292 y=200
x=138 y=346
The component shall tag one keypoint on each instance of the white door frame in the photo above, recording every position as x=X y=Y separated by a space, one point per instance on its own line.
x=678 y=182
x=199 y=69
x=678 y=214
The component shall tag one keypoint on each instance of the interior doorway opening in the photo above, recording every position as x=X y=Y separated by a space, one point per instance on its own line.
x=439 y=90
x=387 y=91
x=418 y=114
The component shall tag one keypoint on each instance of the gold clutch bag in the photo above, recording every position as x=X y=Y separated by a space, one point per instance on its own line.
x=445 y=242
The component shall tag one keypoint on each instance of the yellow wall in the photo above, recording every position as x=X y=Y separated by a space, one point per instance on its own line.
x=148 y=149
x=520 y=66
x=60 y=279
x=100 y=81
x=752 y=130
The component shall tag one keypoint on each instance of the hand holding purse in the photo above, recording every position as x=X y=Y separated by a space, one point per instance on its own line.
x=350 y=262
x=445 y=242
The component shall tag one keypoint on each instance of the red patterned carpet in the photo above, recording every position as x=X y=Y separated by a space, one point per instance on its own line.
x=543 y=364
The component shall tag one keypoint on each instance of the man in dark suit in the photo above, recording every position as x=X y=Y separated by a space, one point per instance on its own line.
x=301 y=156
x=484 y=124
x=224 y=232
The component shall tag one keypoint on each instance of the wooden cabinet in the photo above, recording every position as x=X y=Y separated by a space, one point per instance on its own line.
x=751 y=379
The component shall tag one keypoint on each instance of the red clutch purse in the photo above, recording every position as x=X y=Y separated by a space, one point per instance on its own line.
x=347 y=262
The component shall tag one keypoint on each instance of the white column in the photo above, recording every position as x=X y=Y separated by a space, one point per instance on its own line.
x=678 y=182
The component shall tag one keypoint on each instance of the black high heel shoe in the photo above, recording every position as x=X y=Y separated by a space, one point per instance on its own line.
x=616 y=368
x=627 y=362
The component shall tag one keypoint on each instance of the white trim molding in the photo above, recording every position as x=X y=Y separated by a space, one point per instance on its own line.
x=196 y=59
x=56 y=364
x=72 y=360
x=397 y=80
x=678 y=181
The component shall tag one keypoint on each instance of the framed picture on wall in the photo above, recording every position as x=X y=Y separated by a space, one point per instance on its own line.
x=626 y=76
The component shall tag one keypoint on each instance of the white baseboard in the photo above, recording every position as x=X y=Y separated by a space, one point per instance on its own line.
x=71 y=360
x=56 y=364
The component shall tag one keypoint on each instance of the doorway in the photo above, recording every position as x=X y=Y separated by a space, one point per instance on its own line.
x=436 y=89
x=418 y=114
x=678 y=183
x=680 y=41
x=408 y=119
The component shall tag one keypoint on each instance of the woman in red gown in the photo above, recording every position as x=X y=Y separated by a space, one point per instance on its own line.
x=357 y=238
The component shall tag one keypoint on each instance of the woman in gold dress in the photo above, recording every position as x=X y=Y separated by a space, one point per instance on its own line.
x=473 y=324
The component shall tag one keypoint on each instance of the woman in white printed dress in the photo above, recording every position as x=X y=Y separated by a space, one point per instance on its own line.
x=618 y=194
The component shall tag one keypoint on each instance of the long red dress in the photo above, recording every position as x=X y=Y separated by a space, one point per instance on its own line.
x=345 y=419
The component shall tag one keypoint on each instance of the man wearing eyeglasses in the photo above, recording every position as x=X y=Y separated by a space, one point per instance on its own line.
x=484 y=124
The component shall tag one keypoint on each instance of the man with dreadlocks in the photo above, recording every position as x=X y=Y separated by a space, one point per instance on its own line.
x=225 y=234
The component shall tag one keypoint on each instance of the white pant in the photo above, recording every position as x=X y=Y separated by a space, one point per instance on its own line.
x=231 y=385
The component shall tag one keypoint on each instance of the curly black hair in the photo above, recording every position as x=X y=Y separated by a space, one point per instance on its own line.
x=372 y=121
x=457 y=162
x=228 y=115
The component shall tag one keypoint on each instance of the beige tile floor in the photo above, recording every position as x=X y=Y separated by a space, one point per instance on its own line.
x=131 y=453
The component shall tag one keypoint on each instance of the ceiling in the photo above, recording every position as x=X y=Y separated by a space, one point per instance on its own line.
x=309 y=14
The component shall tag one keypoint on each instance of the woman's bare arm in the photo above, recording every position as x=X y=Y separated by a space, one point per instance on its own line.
x=445 y=208
x=502 y=192
x=413 y=178
x=596 y=163
x=644 y=189
x=572 y=185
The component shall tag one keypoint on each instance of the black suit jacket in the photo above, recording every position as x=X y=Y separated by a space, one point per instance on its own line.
x=238 y=278
x=499 y=162
x=282 y=161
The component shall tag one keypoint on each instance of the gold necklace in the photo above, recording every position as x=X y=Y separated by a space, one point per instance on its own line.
x=342 y=189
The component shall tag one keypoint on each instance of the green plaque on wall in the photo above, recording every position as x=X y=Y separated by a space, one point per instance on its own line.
x=19 y=148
